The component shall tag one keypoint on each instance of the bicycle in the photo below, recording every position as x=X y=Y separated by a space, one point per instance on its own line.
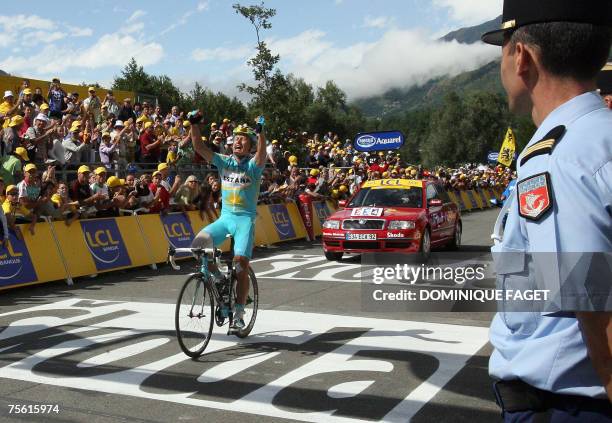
x=201 y=300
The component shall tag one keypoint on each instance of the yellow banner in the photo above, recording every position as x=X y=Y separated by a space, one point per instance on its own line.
x=506 y=153
x=393 y=183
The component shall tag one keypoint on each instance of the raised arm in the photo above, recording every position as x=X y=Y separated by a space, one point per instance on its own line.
x=196 y=137
x=261 y=155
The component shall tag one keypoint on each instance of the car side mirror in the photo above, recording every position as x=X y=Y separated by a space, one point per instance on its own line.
x=435 y=202
x=342 y=204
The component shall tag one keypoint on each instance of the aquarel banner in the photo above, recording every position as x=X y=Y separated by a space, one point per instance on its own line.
x=376 y=141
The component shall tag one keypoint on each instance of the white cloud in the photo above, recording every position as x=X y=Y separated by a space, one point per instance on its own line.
x=221 y=54
x=379 y=22
x=400 y=58
x=24 y=29
x=132 y=28
x=136 y=15
x=202 y=6
x=301 y=49
x=110 y=50
x=79 y=32
x=471 y=12
x=21 y=22
x=35 y=38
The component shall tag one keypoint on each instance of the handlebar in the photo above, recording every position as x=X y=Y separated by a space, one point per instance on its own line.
x=195 y=252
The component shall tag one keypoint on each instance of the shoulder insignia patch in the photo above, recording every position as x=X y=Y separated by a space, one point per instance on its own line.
x=535 y=196
x=545 y=146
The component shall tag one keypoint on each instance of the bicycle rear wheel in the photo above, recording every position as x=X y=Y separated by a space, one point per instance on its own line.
x=250 y=309
x=193 y=317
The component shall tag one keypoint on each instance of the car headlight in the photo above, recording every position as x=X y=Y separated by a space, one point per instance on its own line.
x=401 y=224
x=331 y=224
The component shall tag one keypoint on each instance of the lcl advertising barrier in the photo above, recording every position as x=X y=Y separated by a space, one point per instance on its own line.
x=92 y=246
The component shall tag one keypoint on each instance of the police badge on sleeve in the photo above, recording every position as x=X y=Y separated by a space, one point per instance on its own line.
x=534 y=195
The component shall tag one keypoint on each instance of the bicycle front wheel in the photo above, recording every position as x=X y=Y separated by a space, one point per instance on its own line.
x=193 y=317
x=252 y=303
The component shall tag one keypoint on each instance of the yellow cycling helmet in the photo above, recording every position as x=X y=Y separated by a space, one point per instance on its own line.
x=245 y=130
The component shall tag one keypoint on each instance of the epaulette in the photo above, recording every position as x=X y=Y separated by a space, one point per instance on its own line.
x=545 y=146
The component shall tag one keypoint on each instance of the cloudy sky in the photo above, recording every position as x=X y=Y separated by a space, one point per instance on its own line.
x=365 y=46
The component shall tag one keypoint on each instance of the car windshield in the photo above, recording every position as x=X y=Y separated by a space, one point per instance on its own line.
x=388 y=197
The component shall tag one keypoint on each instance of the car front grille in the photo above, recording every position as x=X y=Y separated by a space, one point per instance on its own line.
x=361 y=245
x=363 y=224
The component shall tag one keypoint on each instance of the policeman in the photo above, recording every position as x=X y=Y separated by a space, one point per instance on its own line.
x=604 y=83
x=552 y=362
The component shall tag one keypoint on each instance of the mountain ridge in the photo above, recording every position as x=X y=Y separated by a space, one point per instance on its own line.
x=400 y=100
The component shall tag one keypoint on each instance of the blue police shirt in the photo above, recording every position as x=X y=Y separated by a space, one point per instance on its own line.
x=546 y=350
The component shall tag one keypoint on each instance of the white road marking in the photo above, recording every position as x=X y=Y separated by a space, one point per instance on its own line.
x=432 y=339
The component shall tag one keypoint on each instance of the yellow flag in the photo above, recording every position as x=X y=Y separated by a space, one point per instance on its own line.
x=506 y=154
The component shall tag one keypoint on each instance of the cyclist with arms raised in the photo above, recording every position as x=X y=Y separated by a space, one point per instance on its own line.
x=240 y=176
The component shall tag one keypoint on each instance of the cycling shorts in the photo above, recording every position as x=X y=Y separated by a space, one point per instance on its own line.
x=241 y=227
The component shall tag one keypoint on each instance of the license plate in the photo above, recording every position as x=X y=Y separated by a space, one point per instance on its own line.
x=361 y=237
x=367 y=212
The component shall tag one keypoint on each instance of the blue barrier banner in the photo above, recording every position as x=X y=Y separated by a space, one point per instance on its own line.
x=15 y=263
x=282 y=222
x=105 y=243
x=375 y=141
x=321 y=210
x=178 y=230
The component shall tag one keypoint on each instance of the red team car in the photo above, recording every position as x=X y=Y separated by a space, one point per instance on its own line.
x=393 y=215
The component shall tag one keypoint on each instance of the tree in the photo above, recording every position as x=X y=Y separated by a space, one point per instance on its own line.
x=264 y=61
x=133 y=78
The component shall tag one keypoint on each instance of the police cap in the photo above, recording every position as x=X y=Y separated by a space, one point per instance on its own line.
x=604 y=80
x=518 y=13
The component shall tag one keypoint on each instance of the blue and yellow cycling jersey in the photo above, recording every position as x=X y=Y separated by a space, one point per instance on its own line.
x=240 y=181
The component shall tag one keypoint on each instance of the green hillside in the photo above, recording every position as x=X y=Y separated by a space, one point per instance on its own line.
x=401 y=100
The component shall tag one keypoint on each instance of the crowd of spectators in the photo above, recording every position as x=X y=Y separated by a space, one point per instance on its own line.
x=328 y=167
x=64 y=158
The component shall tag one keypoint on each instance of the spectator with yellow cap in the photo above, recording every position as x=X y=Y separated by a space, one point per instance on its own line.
x=11 y=165
x=26 y=101
x=73 y=146
x=12 y=137
x=161 y=196
x=149 y=145
x=29 y=193
x=15 y=212
x=64 y=204
x=100 y=187
x=80 y=191
x=170 y=182
x=227 y=128
x=118 y=197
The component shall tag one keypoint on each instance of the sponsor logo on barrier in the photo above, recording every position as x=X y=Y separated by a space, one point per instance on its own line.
x=105 y=243
x=178 y=231
x=374 y=141
x=282 y=222
x=15 y=263
x=322 y=211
